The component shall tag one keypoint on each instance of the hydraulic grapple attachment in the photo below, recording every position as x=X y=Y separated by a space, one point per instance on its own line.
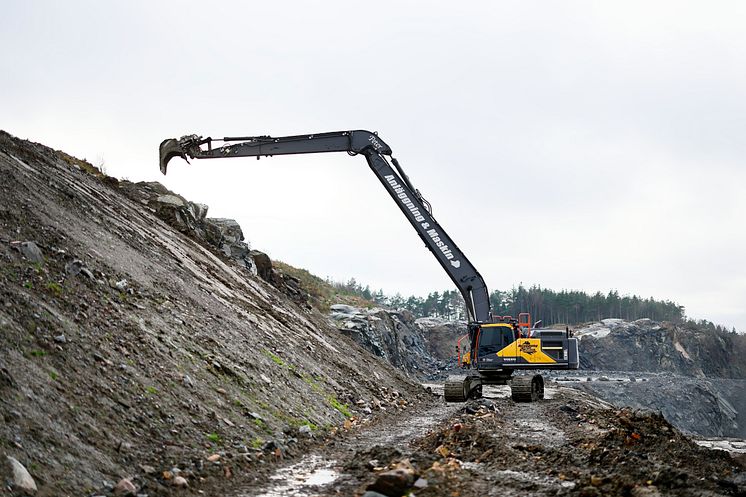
x=168 y=150
x=186 y=146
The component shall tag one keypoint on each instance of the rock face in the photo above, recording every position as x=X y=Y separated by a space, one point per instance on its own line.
x=441 y=336
x=397 y=337
x=646 y=345
x=695 y=376
x=705 y=407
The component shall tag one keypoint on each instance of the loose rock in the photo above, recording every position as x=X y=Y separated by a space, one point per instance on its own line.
x=22 y=479
x=394 y=482
x=125 y=487
x=32 y=252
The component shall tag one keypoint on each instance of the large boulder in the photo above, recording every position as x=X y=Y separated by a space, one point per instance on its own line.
x=17 y=476
x=227 y=236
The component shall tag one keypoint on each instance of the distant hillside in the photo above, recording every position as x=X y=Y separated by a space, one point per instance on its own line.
x=690 y=349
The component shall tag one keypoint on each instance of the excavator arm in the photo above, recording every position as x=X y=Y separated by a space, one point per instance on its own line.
x=414 y=207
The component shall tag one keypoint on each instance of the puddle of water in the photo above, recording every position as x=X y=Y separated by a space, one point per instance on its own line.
x=322 y=477
x=301 y=479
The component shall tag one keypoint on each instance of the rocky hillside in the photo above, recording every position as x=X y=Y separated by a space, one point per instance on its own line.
x=708 y=407
x=645 y=345
x=423 y=347
x=144 y=346
x=693 y=374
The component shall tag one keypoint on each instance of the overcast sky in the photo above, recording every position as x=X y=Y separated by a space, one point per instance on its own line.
x=576 y=145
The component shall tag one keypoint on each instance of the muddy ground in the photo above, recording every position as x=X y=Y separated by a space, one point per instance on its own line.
x=569 y=444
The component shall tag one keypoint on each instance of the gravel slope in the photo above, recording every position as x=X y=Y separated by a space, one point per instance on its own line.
x=129 y=350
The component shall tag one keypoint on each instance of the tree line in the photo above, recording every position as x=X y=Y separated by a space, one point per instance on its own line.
x=551 y=307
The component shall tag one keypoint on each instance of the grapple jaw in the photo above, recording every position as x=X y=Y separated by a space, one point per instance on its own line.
x=169 y=149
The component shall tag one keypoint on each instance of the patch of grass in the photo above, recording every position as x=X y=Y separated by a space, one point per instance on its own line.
x=55 y=288
x=274 y=358
x=38 y=353
x=53 y=375
x=257 y=443
x=311 y=382
x=151 y=390
x=213 y=437
x=287 y=418
x=28 y=285
x=336 y=404
x=262 y=425
x=82 y=164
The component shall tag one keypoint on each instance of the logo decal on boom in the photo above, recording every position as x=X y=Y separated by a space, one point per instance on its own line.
x=401 y=194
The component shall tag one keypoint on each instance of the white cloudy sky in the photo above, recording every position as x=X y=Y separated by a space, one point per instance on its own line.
x=579 y=144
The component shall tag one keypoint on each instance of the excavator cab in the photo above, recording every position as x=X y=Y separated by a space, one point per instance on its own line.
x=490 y=340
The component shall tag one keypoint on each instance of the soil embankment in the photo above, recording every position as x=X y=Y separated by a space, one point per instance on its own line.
x=133 y=349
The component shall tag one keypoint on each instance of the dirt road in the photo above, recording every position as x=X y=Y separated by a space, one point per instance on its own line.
x=568 y=444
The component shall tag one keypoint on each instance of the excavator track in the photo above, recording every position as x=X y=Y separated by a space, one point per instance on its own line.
x=459 y=388
x=527 y=388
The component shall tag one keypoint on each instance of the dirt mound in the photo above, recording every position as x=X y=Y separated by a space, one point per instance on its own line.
x=575 y=445
x=133 y=349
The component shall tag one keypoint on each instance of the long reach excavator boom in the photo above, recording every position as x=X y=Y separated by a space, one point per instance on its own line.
x=415 y=208
x=497 y=345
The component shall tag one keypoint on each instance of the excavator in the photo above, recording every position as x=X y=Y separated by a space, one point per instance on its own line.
x=502 y=350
